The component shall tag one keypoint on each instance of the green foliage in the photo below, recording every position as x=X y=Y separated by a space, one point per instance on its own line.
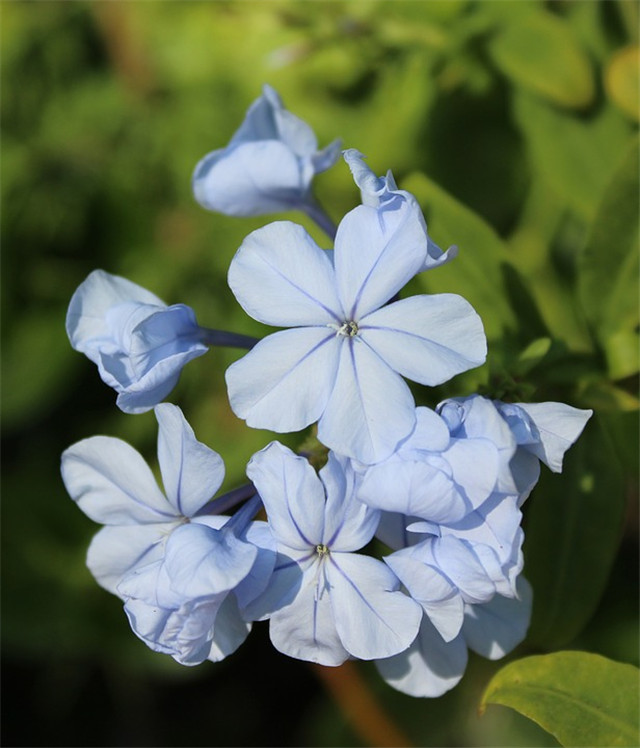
x=581 y=698
x=541 y=53
x=572 y=533
x=622 y=80
x=478 y=273
x=608 y=270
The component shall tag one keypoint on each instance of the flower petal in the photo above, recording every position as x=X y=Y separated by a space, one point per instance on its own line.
x=495 y=628
x=284 y=584
x=429 y=667
x=202 y=562
x=373 y=618
x=284 y=382
x=377 y=250
x=493 y=532
x=118 y=549
x=112 y=484
x=148 y=623
x=281 y=277
x=254 y=584
x=429 y=587
x=151 y=584
x=348 y=523
x=428 y=339
x=139 y=397
x=229 y=630
x=431 y=433
x=412 y=488
x=462 y=566
x=191 y=472
x=474 y=464
x=292 y=494
x=249 y=179
x=91 y=301
x=559 y=426
x=370 y=408
x=305 y=629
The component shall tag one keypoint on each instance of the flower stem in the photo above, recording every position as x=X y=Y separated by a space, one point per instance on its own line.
x=228 y=500
x=317 y=214
x=226 y=339
x=360 y=707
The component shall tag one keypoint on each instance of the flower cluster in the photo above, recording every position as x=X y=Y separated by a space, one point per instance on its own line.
x=406 y=547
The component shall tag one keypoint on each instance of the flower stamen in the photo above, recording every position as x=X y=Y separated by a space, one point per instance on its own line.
x=349 y=329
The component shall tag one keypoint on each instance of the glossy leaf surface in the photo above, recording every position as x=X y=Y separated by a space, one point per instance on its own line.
x=581 y=698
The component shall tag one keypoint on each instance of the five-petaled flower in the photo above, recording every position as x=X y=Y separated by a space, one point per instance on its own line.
x=325 y=601
x=182 y=608
x=342 y=361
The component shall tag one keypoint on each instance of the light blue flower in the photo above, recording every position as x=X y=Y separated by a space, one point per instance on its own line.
x=326 y=602
x=138 y=342
x=539 y=432
x=342 y=363
x=171 y=563
x=466 y=573
x=383 y=194
x=433 y=475
x=190 y=603
x=466 y=577
x=268 y=165
x=431 y=666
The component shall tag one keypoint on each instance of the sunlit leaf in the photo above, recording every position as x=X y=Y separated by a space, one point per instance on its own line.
x=583 y=699
x=541 y=54
x=577 y=156
x=622 y=80
x=477 y=272
x=608 y=280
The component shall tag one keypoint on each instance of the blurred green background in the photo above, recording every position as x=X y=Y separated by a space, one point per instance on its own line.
x=515 y=125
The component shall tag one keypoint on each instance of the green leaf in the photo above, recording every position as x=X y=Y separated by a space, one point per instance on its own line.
x=582 y=699
x=622 y=80
x=572 y=533
x=541 y=54
x=608 y=268
x=575 y=155
x=477 y=272
x=36 y=367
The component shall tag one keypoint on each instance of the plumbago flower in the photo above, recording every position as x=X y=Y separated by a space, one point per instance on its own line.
x=539 y=432
x=138 y=342
x=325 y=601
x=342 y=362
x=379 y=192
x=442 y=489
x=184 y=575
x=459 y=552
x=268 y=165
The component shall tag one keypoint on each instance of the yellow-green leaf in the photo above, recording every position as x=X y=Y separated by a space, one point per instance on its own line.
x=478 y=272
x=608 y=270
x=541 y=54
x=622 y=80
x=582 y=699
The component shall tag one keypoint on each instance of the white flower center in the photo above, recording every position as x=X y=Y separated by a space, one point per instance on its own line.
x=348 y=329
x=322 y=550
